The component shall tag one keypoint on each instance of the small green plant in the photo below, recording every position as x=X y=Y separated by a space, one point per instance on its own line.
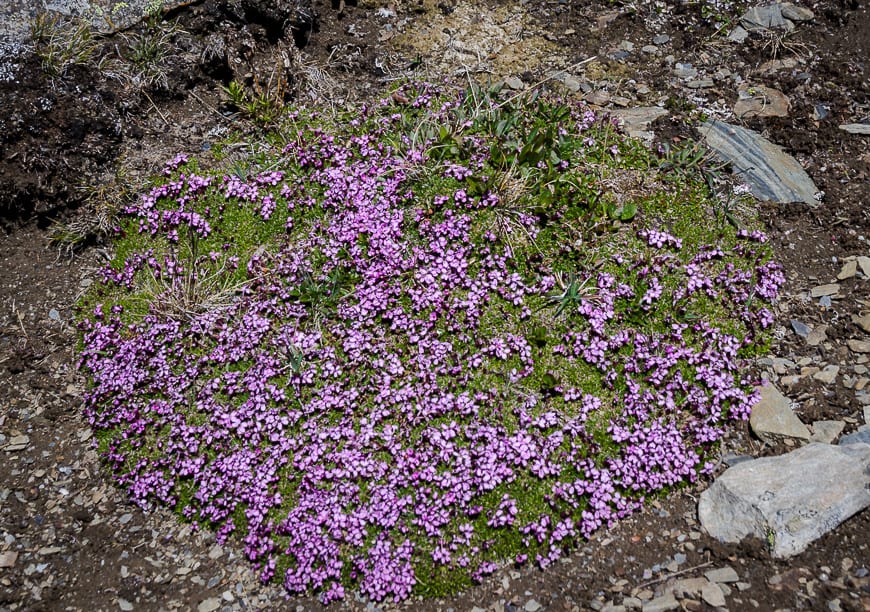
x=149 y=52
x=61 y=43
x=263 y=103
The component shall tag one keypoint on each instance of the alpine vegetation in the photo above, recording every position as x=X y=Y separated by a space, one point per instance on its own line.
x=412 y=343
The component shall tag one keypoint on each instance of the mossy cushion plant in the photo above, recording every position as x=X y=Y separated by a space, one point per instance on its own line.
x=421 y=340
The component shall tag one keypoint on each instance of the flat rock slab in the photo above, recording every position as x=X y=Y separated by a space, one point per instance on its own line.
x=772 y=417
x=772 y=174
x=791 y=500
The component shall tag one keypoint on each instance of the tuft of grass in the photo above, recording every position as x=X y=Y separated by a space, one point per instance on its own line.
x=150 y=51
x=62 y=42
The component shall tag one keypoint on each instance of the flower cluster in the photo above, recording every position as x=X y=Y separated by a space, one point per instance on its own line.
x=391 y=387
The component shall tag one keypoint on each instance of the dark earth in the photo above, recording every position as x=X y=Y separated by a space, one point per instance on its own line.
x=75 y=146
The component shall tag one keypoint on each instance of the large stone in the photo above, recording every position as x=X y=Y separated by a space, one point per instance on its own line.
x=772 y=174
x=772 y=417
x=791 y=500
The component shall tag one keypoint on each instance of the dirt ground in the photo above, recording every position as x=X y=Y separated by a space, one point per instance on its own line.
x=73 y=142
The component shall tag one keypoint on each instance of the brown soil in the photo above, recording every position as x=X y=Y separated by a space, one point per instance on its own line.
x=62 y=137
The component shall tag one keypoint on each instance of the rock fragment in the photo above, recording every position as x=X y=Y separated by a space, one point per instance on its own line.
x=722 y=575
x=772 y=417
x=796 y=13
x=823 y=290
x=791 y=500
x=859 y=346
x=828 y=374
x=849 y=269
x=856 y=128
x=8 y=558
x=827 y=431
x=761 y=101
x=713 y=595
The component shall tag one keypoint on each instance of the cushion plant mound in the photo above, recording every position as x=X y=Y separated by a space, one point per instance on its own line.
x=412 y=343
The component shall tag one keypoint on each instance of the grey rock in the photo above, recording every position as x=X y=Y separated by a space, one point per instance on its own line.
x=571 y=83
x=738 y=34
x=124 y=605
x=685 y=71
x=801 y=329
x=722 y=575
x=825 y=301
x=532 y=606
x=632 y=603
x=821 y=111
x=856 y=128
x=772 y=174
x=661 y=604
x=598 y=97
x=713 y=595
x=864 y=263
x=863 y=322
x=818 y=335
x=859 y=346
x=856 y=437
x=796 y=13
x=822 y=290
x=772 y=417
x=689 y=587
x=661 y=39
x=626 y=45
x=732 y=459
x=650 y=49
x=700 y=84
x=827 y=431
x=849 y=269
x=764 y=18
x=209 y=605
x=514 y=83
x=790 y=500
x=828 y=374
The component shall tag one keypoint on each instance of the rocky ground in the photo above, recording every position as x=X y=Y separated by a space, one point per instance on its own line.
x=796 y=76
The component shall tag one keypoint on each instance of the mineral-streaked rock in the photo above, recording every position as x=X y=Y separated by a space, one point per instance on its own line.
x=772 y=174
x=772 y=417
x=856 y=128
x=790 y=500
